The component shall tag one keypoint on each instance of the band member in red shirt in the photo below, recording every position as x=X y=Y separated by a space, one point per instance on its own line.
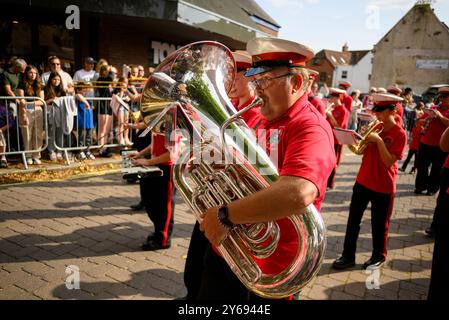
x=399 y=108
x=242 y=93
x=439 y=279
x=338 y=117
x=435 y=121
x=313 y=99
x=159 y=192
x=346 y=98
x=305 y=160
x=375 y=183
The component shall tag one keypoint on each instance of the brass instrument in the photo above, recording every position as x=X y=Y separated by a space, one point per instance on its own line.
x=189 y=91
x=359 y=148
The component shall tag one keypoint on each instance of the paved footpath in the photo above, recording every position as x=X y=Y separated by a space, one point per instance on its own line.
x=87 y=224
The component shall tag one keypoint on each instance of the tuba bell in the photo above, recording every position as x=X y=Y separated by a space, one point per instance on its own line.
x=374 y=126
x=188 y=92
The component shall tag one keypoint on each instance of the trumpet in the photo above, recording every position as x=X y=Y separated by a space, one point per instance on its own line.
x=375 y=126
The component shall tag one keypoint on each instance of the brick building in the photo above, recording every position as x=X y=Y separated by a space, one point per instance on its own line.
x=131 y=32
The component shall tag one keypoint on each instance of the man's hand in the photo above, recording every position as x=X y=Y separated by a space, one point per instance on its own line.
x=134 y=156
x=141 y=162
x=212 y=228
x=374 y=138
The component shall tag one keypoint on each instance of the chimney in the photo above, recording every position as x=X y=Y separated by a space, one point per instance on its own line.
x=345 y=47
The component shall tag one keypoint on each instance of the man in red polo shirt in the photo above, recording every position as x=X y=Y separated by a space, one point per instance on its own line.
x=435 y=121
x=305 y=160
x=313 y=99
x=159 y=193
x=346 y=98
x=375 y=183
x=439 y=280
x=338 y=117
x=242 y=94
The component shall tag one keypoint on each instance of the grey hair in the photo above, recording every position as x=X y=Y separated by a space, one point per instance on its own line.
x=20 y=63
x=304 y=73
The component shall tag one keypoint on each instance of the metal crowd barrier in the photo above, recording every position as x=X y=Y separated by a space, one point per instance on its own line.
x=17 y=134
x=62 y=130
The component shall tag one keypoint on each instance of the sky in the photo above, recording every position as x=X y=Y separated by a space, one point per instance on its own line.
x=329 y=24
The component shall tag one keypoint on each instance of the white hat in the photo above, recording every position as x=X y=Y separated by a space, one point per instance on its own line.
x=334 y=91
x=345 y=84
x=394 y=90
x=381 y=90
x=242 y=59
x=443 y=90
x=384 y=101
x=269 y=53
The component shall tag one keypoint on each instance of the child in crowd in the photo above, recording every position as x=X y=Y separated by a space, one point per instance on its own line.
x=85 y=121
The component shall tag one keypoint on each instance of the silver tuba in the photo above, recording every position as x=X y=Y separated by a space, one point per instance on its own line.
x=188 y=93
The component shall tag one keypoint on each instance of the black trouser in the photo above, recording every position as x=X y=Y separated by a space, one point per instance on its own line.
x=193 y=269
x=381 y=208
x=159 y=200
x=220 y=283
x=410 y=155
x=338 y=152
x=429 y=155
x=439 y=280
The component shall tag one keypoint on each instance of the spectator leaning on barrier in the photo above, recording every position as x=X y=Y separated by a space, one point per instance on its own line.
x=31 y=117
x=55 y=66
x=104 y=107
x=87 y=74
x=53 y=90
x=85 y=120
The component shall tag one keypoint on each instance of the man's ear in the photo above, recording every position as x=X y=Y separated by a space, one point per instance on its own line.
x=298 y=81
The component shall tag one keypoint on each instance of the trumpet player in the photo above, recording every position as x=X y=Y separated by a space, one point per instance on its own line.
x=313 y=99
x=375 y=183
x=338 y=117
x=346 y=99
x=435 y=121
x=304 y=143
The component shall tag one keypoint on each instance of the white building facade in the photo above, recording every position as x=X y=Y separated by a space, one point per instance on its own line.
x=358 y=74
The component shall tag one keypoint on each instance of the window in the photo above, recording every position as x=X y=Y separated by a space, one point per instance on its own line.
x=369 y=77
x=344 y=74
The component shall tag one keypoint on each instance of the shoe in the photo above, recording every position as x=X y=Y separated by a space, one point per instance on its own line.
x=105 y=154
x=128 y=143
x=138 y=207
x=430 y=232
x=343 y=263
x=372 y=263
x=401 y=169
x=417 y=191
x=59 y=156
x=430 y=193
x=90 y=156
x=412 y=171
x=122 y=142
x=29 y=161
x=3 y=164
x=152 y=245
x=52 y=156
x=36 y=161
x=82 y=156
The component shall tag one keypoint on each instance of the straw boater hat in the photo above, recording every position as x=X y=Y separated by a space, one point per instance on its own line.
x=269 y=53
x=394 y=90
x=242 y=59
x=384 y=101
x=381 y=90
x=345 y=84
x=336 y=91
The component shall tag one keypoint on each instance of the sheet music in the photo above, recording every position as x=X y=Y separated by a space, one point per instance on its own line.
x=129 y=168
x=347 y=137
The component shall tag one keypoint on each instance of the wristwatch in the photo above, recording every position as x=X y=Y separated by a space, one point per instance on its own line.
x=223 y=217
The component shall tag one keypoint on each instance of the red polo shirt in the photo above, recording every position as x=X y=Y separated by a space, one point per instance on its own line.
x=317 y=103
x=446 y=164
x=373 y=173
x=305 y=149
x=436 y=128
x=399 y=114
x=251 y=116
x=341 y=115
x=347 y=101
x=158 y=146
